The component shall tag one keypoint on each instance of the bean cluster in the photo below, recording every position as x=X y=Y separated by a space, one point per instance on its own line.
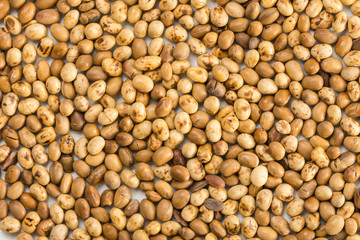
x=257 y=140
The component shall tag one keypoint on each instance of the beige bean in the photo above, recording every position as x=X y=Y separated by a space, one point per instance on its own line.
x=35 y=31
x=10 y=225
